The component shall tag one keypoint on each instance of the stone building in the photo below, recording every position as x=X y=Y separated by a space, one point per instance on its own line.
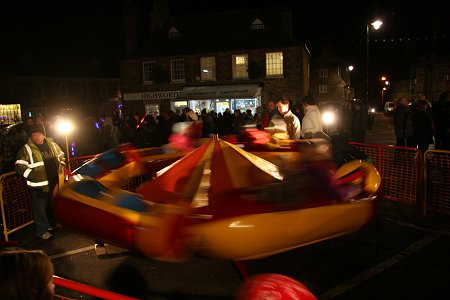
x=230 y=59
x=330 y=78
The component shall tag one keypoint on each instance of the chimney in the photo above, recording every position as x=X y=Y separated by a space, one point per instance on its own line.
x=130 y=25
x=159 y=15
x=286 y=22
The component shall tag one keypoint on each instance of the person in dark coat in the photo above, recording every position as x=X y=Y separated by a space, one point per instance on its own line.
x=359 y=123
x=423 y=126
x=400 y=112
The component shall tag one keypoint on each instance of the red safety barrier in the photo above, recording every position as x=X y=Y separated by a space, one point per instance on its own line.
x=401 y=170
x=76 y=162
x=437 y=181
x=15 y=203
x=86 y=290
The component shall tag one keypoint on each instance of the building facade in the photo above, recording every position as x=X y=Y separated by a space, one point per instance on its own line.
x=237 y=60
x=330 y=78
x=430 y=78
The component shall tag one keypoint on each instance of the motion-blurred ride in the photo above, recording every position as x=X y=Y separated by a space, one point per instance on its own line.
x=219 y=200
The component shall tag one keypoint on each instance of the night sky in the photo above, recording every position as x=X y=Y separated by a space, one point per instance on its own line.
x=72 y=30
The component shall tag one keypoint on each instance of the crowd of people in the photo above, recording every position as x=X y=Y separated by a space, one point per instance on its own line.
x=35 y=154
x=153 y=130
x=419 y=124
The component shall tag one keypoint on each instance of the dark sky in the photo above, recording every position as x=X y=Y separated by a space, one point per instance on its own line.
x=67 y=29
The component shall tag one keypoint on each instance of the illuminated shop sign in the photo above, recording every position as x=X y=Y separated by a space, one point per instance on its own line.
x=151 y=95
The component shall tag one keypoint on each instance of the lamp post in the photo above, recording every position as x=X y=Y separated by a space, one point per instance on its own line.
x=349 y=69
x=376 y=25
x=65 y=127
x=383 y=90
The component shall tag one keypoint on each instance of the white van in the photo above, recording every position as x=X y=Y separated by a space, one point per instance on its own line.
x=388 y=108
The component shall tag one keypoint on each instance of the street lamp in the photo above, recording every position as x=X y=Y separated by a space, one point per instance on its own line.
x=349 y=69
x=376 y=25
x=65 y=127
x=383 y=90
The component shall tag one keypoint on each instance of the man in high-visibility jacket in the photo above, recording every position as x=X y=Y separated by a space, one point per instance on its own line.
x=42 y=163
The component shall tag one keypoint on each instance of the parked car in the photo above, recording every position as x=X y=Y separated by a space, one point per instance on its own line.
x=388 y=108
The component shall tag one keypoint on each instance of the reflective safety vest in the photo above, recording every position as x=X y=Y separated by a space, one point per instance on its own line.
x=30 y=164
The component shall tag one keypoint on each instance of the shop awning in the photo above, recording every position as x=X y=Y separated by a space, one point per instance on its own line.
x=232 y=91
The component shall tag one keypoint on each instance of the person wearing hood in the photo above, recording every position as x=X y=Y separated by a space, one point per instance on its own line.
x=312 y=120
x=41 y=162
x=110 y=134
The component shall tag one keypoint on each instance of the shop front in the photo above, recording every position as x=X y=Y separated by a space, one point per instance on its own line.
x=150 y=102
x=219 y=97
x=10 y=114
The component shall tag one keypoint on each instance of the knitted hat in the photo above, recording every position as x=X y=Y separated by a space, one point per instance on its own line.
x=37 y=128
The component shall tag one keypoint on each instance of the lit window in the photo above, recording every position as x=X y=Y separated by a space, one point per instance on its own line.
x=240 y=66
x=323 y=73
x=274 y=64
x=147 y=69
x=177 y=70
x=323 y=89
x=208 y=68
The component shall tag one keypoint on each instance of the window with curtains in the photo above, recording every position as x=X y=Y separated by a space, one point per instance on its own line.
x=207 y=68
x=274 y=64
x=147 y=71
x=177 y=70
x=240 y=66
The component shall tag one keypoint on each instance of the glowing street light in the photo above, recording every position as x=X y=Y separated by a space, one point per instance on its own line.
x=376 y=25
x=383 y=90
x=349 y=69
x=65 y=127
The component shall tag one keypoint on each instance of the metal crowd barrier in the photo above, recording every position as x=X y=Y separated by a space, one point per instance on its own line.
x=409 y=177
x=437 y=181
x=76 y=162
x=15 y=203
x=15 y=198
x=401 y=171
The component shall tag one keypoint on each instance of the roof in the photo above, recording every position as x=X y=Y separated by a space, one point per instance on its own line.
x=213 y=32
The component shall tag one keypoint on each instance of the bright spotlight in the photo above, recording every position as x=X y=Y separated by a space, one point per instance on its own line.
x=328 y=118
x=64 y=127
